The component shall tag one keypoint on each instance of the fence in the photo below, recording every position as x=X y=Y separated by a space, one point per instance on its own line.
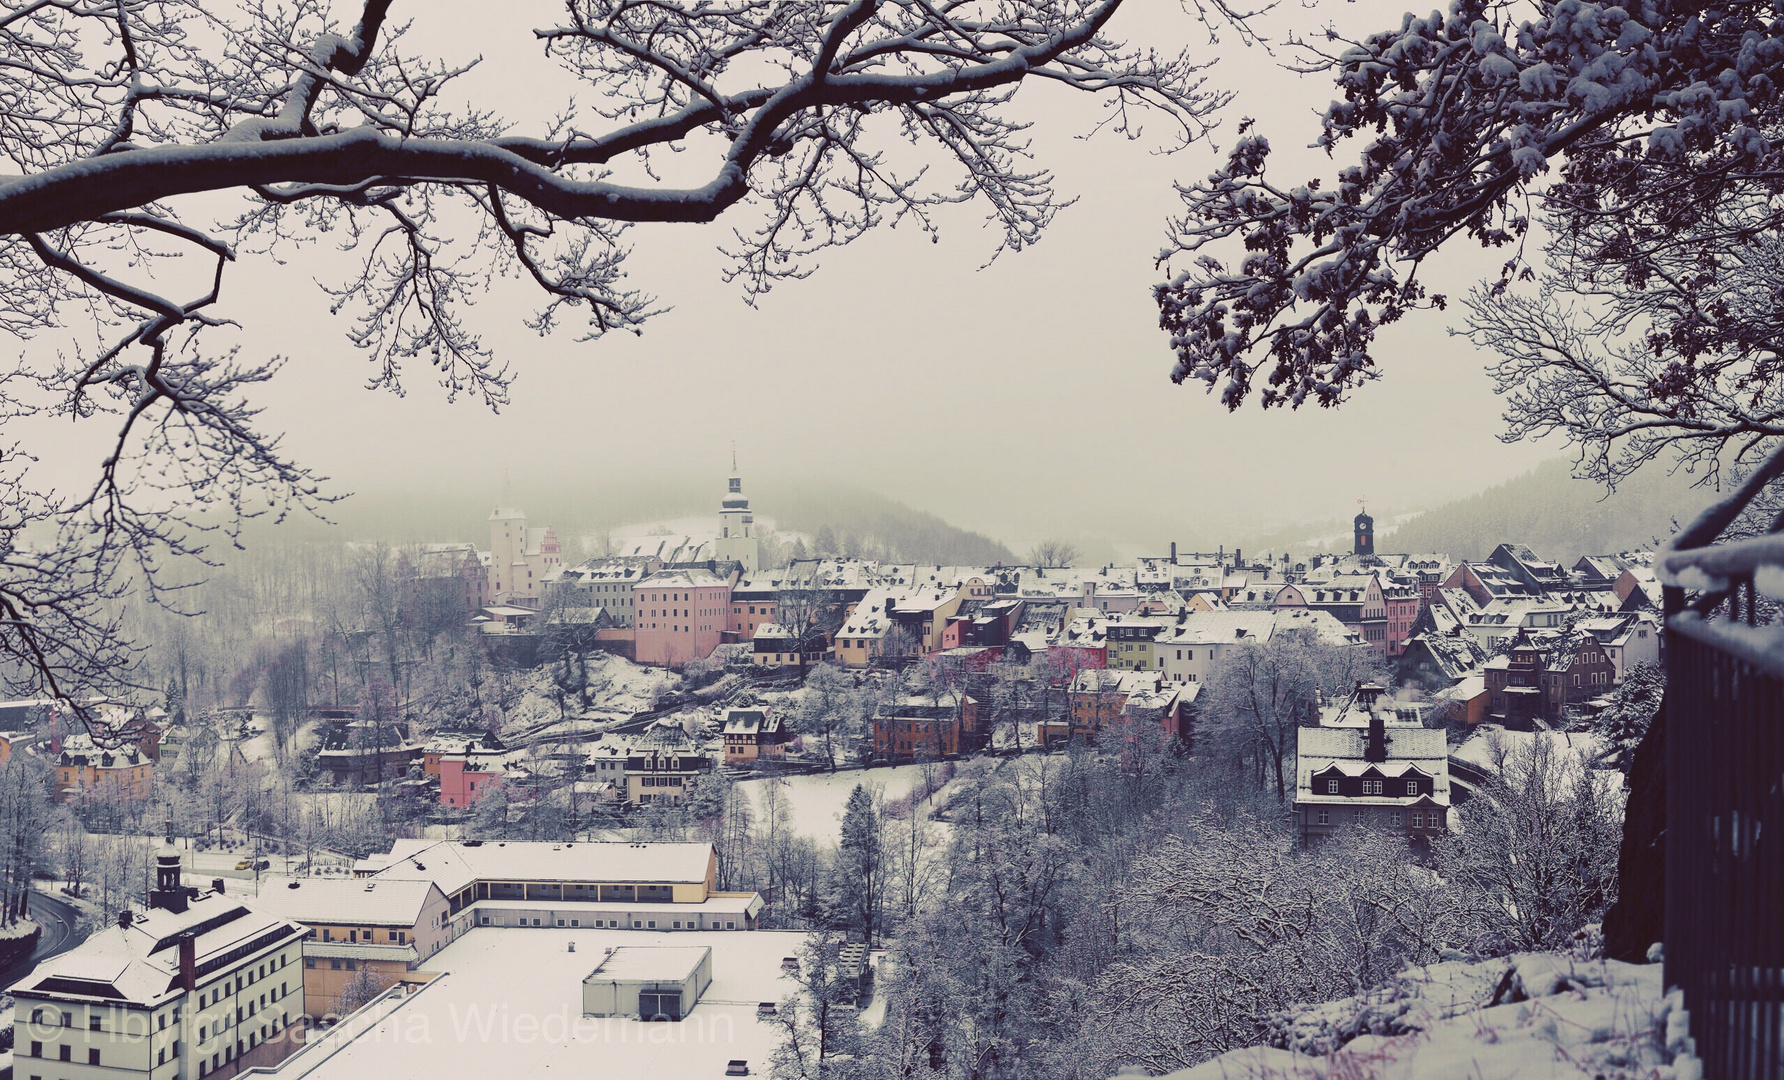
x=1725 y=789
x=1724 y=867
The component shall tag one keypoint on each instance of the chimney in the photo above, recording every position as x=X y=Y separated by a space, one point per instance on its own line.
x=1173 y=553
x=1376 y=749
x=189 y=961
x=217 y=885
x=126 y=917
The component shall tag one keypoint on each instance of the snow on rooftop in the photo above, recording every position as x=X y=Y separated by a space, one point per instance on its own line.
x=452 y=864
x=668 y=963
x=370 y=901
x=510 y=1004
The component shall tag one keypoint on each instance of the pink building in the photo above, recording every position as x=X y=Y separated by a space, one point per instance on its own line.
x=680 y=615
x=466 y=777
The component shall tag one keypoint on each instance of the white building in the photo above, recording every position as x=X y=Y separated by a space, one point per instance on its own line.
x=197 y=983
x=652 y=983
x=737 y=541
x=520 y=557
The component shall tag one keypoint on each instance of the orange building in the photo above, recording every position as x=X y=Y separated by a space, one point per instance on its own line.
x=124 y=773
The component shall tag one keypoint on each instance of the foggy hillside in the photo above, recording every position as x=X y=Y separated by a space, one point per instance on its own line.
x=861 y=522
x=1560 y=517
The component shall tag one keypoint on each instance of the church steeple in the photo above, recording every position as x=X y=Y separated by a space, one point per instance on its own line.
x=737 y=526
x=1365 y=532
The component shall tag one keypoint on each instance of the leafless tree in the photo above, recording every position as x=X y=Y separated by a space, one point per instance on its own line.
x=294 y=126
x=1053 y=553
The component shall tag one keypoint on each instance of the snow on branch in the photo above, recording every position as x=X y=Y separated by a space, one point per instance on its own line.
x=120 y=111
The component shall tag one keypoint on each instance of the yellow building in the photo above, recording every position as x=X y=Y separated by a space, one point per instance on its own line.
x=663 y=886
x=365 y=935
x=124 y=773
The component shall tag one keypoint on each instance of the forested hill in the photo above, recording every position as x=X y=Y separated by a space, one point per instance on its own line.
x=1558 y=516
x=850 y=521
x=862 y=523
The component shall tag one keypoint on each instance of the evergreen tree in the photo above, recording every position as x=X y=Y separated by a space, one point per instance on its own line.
x=1633 y=707
x=858 y=882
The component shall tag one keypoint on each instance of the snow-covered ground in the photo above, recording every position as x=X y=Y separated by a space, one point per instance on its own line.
x=511 y=1005
x=817 y=799
x=1490 y=743
x=617 y=689
x=1539 y=1016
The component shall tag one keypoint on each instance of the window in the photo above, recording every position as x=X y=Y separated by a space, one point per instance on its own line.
x=1372 y=787
x=36 y=1048
x=93 y=1022
x=1331 y=787
x=1412 y=787
x=1394 y=818
x=93 y=1055
x=1418 y=820
x=65 y=1053
x=1325 y=816
x=310 y=962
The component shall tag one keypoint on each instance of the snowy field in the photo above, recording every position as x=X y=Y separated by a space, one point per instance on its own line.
x=818 y=798
x=511 y=1005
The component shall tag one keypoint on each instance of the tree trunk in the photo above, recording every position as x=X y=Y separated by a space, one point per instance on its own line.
x=1638 y=918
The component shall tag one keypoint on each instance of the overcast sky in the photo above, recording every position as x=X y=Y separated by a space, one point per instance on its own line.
x=1023 y=399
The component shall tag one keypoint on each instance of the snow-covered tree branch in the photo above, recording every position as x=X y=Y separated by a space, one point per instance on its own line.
x=147 y=136
x=1642 y=138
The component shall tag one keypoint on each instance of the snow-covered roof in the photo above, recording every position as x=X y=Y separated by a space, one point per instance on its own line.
x=692 y=578
x=1321 y=748
x=750 y=722
x=1219 y=628
x=452 y=864
x=140 y=963
x=635 y=963
x=368 y=901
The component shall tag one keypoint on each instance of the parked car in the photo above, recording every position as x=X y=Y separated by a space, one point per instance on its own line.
x=737 y=1067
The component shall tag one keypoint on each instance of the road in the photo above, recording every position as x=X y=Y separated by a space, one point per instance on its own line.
x=59 y=935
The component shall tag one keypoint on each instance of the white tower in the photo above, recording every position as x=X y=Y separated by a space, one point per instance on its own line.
x=737 y=540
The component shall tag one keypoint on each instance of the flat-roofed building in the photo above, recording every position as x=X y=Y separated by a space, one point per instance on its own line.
x=667 y=886
x=650 y=982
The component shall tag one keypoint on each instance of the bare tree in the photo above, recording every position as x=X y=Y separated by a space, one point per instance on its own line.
x=1260 y=695
x=1053 y=553
x=119 y=111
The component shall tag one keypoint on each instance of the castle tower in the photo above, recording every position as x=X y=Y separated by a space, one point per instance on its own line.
x=507 y=552
x=737 y=526
x=1365 y=532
